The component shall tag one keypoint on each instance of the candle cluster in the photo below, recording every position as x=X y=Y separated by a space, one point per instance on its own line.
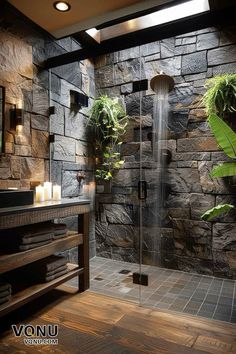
x=47 y=192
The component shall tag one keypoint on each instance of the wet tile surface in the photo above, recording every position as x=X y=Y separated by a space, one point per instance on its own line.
x=189 y=293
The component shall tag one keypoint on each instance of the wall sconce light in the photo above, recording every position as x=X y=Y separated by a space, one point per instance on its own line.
x=78 y=100
x=16 y=117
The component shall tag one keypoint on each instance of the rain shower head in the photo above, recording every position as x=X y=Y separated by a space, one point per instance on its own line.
x=160 y=79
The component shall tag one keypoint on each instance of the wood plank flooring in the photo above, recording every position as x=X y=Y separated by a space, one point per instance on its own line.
x=90 y=323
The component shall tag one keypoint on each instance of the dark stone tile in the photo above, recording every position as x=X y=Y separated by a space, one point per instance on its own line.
x=224 y=310
x=233 y=319
x=208 y=307
x=222 y=317
x=167 y=300
x=205 y=314
x=190 y=311
x=162 y=305
x=194 y=304
x=174 y=291
x=225 y=301
x=206 y=280
x=211 y=298
x=175 y=307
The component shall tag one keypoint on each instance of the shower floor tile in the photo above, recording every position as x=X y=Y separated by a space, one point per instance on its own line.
x=173 y=290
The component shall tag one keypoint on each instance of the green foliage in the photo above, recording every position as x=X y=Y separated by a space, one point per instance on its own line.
x=108 y=123
x=225 y=136
x=225 y=170
x=220 y=97
x=220 y=100
x=216 y=211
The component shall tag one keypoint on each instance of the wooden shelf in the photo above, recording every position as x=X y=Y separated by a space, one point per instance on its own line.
x=15 y=260
x=37 y=213
x=37 y=290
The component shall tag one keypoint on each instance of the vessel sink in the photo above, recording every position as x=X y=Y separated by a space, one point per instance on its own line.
x=12 y=198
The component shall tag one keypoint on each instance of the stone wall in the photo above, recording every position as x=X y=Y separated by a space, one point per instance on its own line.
x=23 y=49
x=182 y=240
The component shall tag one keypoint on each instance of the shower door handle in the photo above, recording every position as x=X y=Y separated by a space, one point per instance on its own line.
x=142 y=190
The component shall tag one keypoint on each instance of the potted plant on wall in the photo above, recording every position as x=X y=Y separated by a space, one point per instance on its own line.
x=108 y=122
x=220 y=97
x=220 y=102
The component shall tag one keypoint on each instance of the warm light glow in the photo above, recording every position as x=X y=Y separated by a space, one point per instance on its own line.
x=62 y=6
x=19 y=129
x=172 y=13
x=19 y=104
x=166 y=15
x=56 y=192
x=47 y=190
x=94 y=33
x=39 y=194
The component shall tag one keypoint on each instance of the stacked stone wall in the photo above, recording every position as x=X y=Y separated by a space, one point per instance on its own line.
x=23 y=50
x=182 y=241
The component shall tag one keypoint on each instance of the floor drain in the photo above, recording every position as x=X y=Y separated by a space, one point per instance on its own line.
x=124 y=271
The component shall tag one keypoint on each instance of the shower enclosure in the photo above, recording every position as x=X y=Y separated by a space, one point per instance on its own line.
x=151 y=245
x=133 y=221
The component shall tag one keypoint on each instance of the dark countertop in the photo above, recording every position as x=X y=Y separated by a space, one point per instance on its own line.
x=44 y=205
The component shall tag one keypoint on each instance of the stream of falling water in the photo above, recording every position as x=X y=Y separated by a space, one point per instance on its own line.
x=160 y=130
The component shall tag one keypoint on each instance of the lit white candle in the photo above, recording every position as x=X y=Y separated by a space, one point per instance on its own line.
x=39 y=194
x=56 y=192
x=47 y=190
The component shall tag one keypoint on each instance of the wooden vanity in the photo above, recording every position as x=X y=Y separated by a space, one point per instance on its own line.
x=40 y=212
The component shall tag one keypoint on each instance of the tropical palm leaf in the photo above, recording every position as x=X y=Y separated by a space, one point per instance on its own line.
x=224 y=170
x=225 y=136
x=216 y=211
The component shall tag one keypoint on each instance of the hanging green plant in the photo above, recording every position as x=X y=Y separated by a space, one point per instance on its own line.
x=220 y=97
x=108 y=122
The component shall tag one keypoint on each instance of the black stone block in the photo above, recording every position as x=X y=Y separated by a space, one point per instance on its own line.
x=11 y=198
x=139 y=278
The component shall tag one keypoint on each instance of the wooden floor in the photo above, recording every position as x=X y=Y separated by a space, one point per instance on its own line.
x=95 y=324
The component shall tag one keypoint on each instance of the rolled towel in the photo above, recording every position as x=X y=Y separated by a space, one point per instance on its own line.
x=59 y=229
x=36 y=239
x=31 y=230
x=58 y=270
x=56 y=275
x=5 y=299
x=56 y=237
x=5 y=293
x=15 y=240
x=41 y=273
x=4 y=286
x=48 y=264
x=33 y=245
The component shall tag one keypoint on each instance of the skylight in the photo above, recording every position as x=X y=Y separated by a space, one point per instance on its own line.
x=169 y=14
